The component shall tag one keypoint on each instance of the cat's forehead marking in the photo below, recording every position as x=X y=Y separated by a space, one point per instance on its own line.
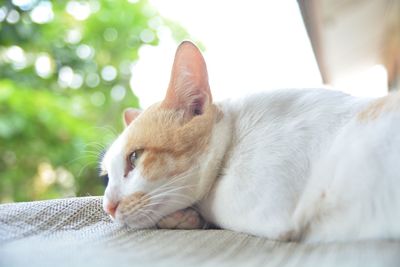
x=170 y=144
x=382 y=105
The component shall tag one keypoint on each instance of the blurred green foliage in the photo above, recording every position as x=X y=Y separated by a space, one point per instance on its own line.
x=65 y=68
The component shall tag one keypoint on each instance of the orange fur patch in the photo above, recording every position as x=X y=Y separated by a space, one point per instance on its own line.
x=166 y=136
x=380 y=106
x=133 y=202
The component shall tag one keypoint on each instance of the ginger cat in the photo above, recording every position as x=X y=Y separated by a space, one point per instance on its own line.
x=310 y=165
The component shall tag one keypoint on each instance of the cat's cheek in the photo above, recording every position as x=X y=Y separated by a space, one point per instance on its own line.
x=136 y=210
x=134 y=183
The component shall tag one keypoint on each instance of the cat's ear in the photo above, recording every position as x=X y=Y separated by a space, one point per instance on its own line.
x=129 y=115
x=188 y=88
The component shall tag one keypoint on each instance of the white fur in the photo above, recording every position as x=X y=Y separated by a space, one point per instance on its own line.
x=354 y=189
x=277 y=140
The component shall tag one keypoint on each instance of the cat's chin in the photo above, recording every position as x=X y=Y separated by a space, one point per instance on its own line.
x=142 y=220
x=148 y=215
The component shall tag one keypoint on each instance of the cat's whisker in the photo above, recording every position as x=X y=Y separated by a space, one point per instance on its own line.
x=156 y=213
x=161 y=188
x=96 y=145
x=178 y=177
x=96 y=152
x=156 y=200
x=81 y=157
x=173 y=180
x=176 y=200
x=165 y=205
x=87 y=155
x=169 y=204
x=90 y=156
x=171 y=189
x=83 y=168
x=96 y=155
x=191 y=199
x=147 y=216
x=169 y=192
x=111 y=130
x=134 y=212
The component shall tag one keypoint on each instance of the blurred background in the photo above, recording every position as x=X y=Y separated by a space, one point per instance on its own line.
x=65 y=69
x=69 y=68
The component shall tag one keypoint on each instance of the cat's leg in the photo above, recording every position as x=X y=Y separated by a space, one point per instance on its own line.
x=318 y=201
x=182 y=219
x=310 y=209
x=278 y=230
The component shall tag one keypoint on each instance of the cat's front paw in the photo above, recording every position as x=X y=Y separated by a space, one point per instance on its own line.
x=182 y=219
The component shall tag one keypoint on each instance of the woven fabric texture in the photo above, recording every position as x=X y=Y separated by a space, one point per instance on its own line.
x=76 y=232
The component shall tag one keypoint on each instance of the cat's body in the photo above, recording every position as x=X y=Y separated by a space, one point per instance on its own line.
x=276 y=139
x=285 y=164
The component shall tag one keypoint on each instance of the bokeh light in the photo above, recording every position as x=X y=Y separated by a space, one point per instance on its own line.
x=42 y=13
x=44 y=65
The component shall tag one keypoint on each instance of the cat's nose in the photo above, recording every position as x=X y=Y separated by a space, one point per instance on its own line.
x=110 y=208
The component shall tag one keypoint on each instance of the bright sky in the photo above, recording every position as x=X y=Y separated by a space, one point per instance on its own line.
x=250 y=46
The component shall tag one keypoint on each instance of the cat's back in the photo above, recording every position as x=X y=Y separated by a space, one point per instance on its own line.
x=290 y=102
x=285 y=127
x=290 y=111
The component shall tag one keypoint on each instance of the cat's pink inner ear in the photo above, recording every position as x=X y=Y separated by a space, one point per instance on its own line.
x=130 y=114
x=188 y=88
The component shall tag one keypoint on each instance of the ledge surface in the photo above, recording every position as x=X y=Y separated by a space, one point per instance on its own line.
x=76 y=232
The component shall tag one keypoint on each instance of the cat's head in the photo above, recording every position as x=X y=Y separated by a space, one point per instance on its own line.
x=156 y=166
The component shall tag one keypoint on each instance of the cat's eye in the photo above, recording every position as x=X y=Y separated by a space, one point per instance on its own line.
x=132 y=160
x=104 y=178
